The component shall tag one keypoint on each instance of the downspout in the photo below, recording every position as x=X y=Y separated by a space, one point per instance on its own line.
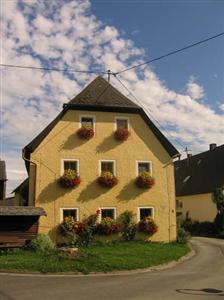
x=35 y=174
x=169 y=204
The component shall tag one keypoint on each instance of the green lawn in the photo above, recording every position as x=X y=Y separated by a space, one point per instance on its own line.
x=96 y=258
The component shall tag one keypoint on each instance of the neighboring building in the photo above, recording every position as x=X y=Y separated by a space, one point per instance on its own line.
x=3 y=179
x=58 y=148
x=196 y=178
x=21 y=194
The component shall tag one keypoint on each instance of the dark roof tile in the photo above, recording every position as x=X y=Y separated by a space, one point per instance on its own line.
x=201 y=173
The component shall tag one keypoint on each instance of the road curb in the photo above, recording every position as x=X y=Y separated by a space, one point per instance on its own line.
x=161 y=267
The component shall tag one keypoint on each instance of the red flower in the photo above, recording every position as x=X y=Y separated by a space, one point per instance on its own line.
x=122 y=134
x=145 y=180
x=98 y=211
x=85 y=132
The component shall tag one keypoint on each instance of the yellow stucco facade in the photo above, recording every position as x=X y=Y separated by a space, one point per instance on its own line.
x=142 y=145
x=200 y=207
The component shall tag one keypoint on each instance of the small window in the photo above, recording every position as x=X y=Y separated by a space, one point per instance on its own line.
x=72 y=165
x=87 y=122
x=143 y=166
x=107 y=166
x=69 y=212
x=122 y=123
x=108 y=213
x=145 y=212
x=69 y=164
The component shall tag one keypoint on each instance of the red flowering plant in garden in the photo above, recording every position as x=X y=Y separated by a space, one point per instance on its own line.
x=85 y=132
x=69 y=179
x=145 y=180
x=148 y=225
x=107 y=226
x=107 y=179
x=82 y=232
x=121 y=134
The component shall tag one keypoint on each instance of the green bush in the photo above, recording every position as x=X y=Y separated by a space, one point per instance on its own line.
x=182 y=236
x=128 y=226
x=43 y=243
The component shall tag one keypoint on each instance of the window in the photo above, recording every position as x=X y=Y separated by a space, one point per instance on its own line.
x=107 y=166
x=179 y=204
x=109 y=212
x=144 y=166
x=72 y=164
x=69 y=212
x=145 y=212
x=121 y=122
x=87 y=121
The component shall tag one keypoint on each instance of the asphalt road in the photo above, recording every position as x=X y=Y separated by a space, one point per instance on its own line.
x=201 y=277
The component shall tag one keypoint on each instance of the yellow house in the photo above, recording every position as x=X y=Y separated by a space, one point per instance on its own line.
x=197 y=177
x=104 y=109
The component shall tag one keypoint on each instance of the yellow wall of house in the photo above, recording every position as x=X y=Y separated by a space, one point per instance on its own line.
x=200 y=207
x=63 y=143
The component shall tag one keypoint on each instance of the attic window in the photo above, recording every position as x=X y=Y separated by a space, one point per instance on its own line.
x=144 y=166
x=186 y=179
x=87 y=121
x=121 y=122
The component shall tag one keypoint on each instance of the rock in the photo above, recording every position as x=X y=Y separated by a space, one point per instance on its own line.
x=70 y=253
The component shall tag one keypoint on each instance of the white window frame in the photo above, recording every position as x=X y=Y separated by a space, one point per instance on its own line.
x=107 y=160
x=68 y=208
x=121 y=118
x=143 y=161
x=69 y=159
x=88 y=116
x=143 y=207
x=115 y=212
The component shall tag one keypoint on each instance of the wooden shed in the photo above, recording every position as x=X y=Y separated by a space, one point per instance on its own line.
x=18 y=225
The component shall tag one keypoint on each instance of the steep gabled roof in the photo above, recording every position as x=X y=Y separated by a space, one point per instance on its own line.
x=100 y=95
x=201 y=173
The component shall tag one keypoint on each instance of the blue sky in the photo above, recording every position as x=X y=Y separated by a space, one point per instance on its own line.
x=162 y=26
x=185 y=92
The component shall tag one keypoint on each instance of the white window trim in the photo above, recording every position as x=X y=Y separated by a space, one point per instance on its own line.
x=107 y=160
x=143 y=161
x=88 y=116
x=120 y=118
x=68 y=208
x=140 y=207
x=115 y=212
x=69 y=159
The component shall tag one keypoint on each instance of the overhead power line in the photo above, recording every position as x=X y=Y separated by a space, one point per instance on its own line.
x=171 y=53
x=52 y=69
x=149 y=111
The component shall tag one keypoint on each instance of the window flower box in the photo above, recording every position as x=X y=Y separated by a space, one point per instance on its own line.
x=122 y=134
x=69 y=179
x=107 y=179
x=107 y=226
x=148 y=226
x=85 y=132
x=145 y=180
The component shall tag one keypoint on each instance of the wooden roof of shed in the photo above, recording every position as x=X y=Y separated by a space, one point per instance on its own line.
x=22 y=211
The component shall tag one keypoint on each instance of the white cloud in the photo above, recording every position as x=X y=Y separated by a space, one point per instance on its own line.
x=67 y=35
x=221 y=106
x=194 y=90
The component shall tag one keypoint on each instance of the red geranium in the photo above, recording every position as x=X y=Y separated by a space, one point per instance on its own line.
x=107 y=179
x=145 y=180
x=69 y=179
x=85 y=132
x=122 y=134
